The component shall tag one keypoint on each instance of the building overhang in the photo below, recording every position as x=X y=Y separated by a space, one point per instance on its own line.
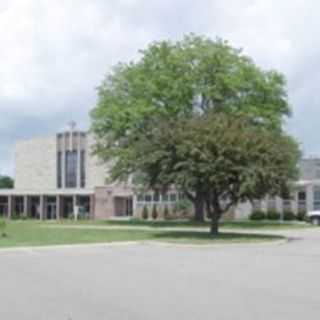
x=52 y=192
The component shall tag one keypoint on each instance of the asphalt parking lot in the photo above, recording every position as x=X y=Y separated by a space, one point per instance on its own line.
x=143 y=281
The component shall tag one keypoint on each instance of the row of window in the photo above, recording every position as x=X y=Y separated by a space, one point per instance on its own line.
x=287 y=203
x=157 y=197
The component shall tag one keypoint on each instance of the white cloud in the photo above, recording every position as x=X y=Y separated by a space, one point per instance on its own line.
x=55 y=52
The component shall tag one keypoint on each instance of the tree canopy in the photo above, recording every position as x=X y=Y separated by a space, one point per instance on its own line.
x=173 y=79
x=225 y=159
x=173 y=97
x=6 y=182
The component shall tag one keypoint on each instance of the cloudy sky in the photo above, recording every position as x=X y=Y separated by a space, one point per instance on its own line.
x=54 y=53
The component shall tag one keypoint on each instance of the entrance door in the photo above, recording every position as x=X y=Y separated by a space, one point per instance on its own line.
x=123 y=206
x=51 y=211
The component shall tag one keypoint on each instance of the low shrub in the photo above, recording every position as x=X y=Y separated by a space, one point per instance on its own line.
x=288 y=216
x=3 y=227
x=301 y=215
x=145 y=213
x=15 y=216
x=257 y=215
x=166 y=213
x=154 y=213
x=273 y=215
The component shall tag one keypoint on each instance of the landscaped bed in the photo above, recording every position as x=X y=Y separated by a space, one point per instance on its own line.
x=31 y=233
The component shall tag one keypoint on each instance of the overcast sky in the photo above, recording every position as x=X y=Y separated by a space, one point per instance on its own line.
x=54 y=53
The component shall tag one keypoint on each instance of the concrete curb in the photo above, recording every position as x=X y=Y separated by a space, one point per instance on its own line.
x=219 y=245
x=148 y=242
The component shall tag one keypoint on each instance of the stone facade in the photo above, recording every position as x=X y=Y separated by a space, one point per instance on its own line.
x=35 y=164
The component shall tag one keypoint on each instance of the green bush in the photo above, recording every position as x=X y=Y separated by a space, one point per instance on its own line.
x=166 y=212
x=301 y=215
x=257 y=215
x=273 y=215
x=154 y=213
x=3 y=227
x=288 y=216
x=145 y=213
x=183 y=206
x=15 y=216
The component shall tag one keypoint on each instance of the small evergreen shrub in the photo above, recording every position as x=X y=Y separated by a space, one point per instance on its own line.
x=273 y=215
x=175 y=211
x=154 y=213
x=257 y=215
x=301 y=215
x=3 y=227
x=288 y=216
x=145 y=213
x=166 y=213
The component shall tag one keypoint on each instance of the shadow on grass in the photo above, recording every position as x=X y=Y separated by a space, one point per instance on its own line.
x=245 y=224
x=186 y=236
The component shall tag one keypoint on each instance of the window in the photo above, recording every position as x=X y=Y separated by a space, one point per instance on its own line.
x=156 y=197
x=286 y=205
x=140 y=198
x=316 y=198
x=83 y=169
x=148 y=198
x=165 y=197
x=173 y=197
x=59 y=169
x=302 y=200
x=71 y=169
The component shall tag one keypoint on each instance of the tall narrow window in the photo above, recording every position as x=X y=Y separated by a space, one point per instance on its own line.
x=316 y=198
x=59 y=169
x=83 y=169
x=71 y=169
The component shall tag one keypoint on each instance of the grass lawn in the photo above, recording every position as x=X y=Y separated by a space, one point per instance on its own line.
x=31 y=233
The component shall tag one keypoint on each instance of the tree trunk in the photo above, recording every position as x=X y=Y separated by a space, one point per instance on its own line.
x=214 y=229
x=199 y=208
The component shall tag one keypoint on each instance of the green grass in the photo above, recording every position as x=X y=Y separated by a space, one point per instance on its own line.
x=28 y=233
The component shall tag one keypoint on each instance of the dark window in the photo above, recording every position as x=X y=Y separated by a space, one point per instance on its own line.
x=59 y=169
x=148 y=198
x=83 y=169
x=71 y=169
x=156 y=197
x=302 y=195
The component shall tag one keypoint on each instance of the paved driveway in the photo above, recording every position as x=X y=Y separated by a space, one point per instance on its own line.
x=140 y=282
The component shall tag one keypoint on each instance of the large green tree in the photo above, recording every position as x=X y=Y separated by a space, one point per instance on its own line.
x=171 y=80
x=226 y=159
x=6 y=182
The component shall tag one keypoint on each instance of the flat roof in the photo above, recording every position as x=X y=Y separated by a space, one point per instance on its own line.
x=51 y=192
